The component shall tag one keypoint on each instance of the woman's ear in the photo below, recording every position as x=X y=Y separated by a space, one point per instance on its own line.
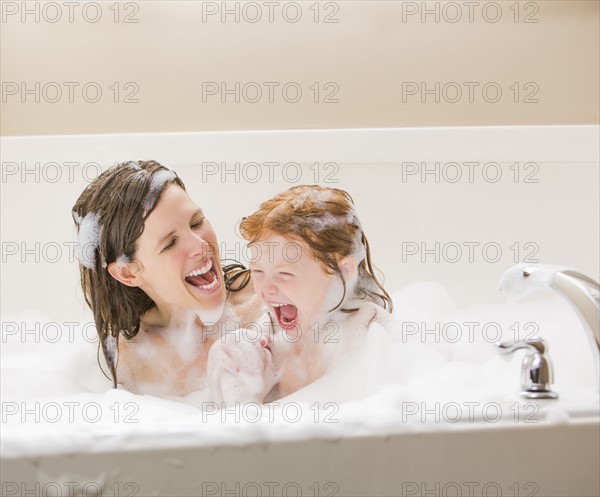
x=128 y=274
x=348 y=267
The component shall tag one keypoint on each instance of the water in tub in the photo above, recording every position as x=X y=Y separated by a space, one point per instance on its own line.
x=432 y=366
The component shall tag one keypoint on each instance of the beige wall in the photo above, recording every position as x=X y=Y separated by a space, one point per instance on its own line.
x=368 y=55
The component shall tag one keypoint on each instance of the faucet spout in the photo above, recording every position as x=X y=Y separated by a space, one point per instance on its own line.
x=579 y=290
x=582 y=293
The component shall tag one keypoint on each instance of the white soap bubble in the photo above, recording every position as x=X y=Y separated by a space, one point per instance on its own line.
x=89 y=239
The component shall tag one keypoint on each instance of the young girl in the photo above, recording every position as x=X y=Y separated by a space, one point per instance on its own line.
x=311 y=267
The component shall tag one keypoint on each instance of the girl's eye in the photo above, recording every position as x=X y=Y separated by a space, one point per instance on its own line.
x=170 y=245
x=198 y=224
x=286 y=275
x=257 y=273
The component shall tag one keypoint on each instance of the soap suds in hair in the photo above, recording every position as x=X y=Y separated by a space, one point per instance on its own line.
x=110 y=346
x=323 y=222
x=314 y=196
x=89 y=239
x=158 y=181
x=122 y=260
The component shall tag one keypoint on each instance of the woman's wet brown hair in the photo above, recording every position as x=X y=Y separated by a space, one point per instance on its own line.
x=324 y=219
x=116 y=199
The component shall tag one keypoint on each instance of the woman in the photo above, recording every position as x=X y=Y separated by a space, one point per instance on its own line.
x=151 y=274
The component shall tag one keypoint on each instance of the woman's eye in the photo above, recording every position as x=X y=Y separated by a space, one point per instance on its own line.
x=170 y=245
x=198 y=224
x=285 y=274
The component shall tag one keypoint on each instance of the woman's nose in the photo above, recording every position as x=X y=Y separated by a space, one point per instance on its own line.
x=196 y=245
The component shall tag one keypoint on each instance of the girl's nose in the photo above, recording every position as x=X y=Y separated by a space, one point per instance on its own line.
x=269 y=289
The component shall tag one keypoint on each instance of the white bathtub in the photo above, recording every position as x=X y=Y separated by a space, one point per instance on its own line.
x=424 y=222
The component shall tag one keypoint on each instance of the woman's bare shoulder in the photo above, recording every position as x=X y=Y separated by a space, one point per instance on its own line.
x=146 y=344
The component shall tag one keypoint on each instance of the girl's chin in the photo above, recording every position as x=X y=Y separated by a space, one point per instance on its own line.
x=296 y=332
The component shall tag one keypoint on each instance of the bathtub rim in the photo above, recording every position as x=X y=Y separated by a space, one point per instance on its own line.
x=188 y=437
x=555 y=143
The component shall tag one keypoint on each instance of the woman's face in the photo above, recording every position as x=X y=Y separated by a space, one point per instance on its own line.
x=179 y=256
x=295 y=287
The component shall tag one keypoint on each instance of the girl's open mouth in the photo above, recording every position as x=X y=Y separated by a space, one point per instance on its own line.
x=204 y=278
x=286 y=315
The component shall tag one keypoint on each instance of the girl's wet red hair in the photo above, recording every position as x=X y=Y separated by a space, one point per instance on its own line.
x=324 y=219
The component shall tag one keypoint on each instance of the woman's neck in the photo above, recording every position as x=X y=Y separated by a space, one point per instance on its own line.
x=161 y=318
x=166 y=316
x=156 y=318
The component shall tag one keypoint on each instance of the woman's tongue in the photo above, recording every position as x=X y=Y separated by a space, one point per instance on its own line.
x=201 y=280
x=287 y=315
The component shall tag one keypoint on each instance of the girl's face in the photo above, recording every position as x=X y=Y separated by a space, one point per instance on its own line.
x=295 y=287
x=179 y=256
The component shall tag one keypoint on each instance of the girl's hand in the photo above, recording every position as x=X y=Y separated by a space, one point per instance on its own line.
x=239 y=370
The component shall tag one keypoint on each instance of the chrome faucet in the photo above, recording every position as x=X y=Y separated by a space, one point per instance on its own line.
x=537 y=374
x=582 y=292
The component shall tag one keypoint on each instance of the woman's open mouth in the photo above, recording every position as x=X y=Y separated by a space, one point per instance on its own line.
x=205 y=278
x=286 y=315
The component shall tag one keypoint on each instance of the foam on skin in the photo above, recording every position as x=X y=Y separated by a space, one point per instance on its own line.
x=211 y=316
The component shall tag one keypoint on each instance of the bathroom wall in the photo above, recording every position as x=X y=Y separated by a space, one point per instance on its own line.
x=426 y=221
x=152 y=66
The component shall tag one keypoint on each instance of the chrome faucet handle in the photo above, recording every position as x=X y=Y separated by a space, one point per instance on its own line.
x=536 y=369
